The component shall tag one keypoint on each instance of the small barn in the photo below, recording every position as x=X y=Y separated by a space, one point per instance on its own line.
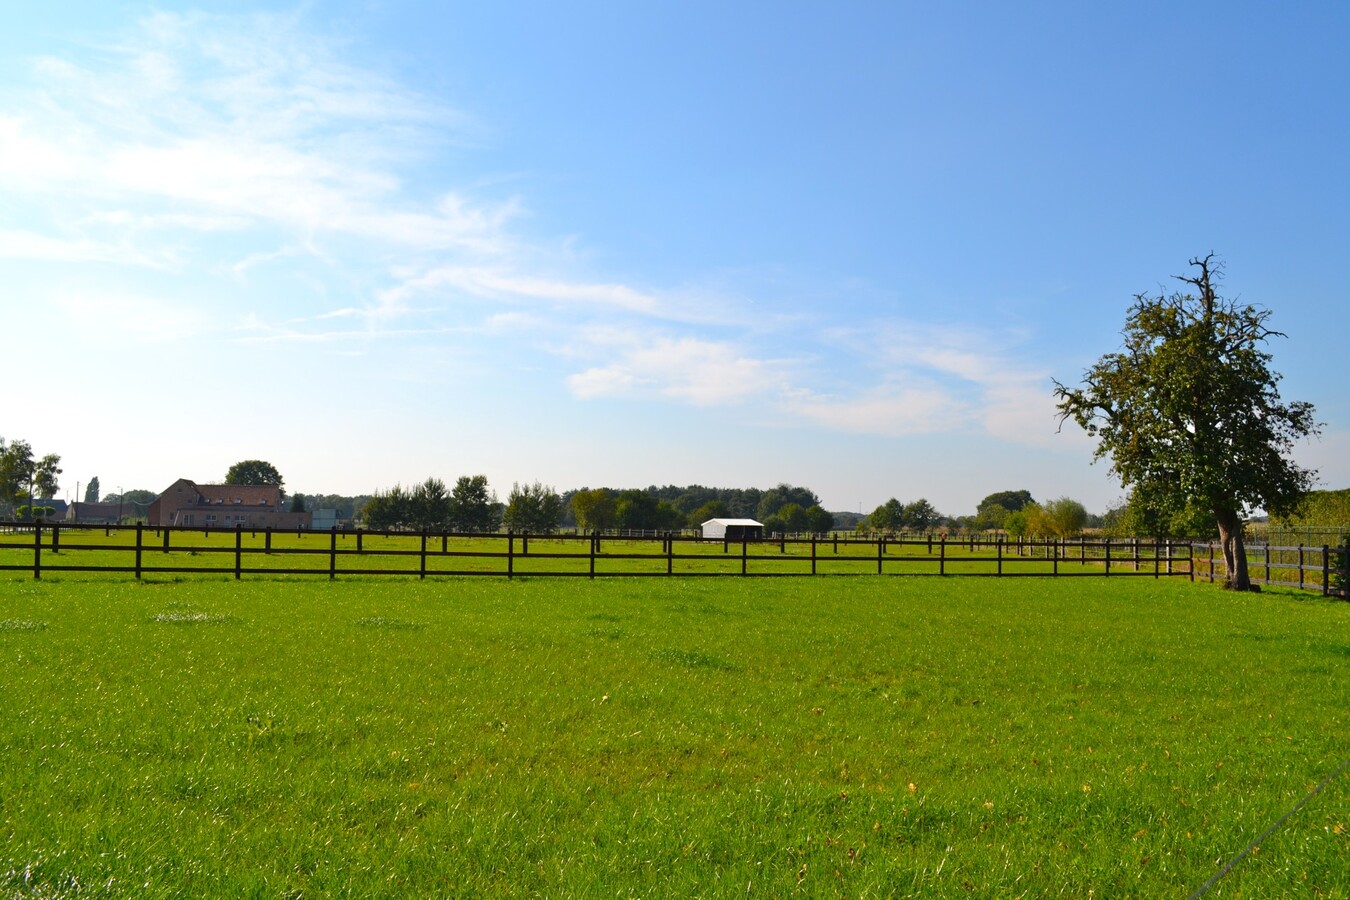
x=733 y=530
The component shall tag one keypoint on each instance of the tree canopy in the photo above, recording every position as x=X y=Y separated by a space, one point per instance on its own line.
x=1189 y=412
x=24 y=477
x=533 y=508
x=254 y=471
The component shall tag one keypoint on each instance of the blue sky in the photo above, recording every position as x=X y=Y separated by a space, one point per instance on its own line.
x=840 y=245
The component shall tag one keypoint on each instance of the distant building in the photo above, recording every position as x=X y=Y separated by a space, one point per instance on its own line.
x=324 y=519
x=733 y=529
x=57 y=507
x=98 y=513
x=188 y=504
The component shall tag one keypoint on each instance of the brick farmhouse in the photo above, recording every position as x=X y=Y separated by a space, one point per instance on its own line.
x=188 y=504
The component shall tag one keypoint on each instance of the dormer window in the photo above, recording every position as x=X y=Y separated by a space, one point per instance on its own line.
x=238 y=500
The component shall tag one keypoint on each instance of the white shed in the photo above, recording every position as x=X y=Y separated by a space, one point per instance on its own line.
x=733 y=529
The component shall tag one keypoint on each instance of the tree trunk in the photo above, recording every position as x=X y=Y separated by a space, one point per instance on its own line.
x=1236 y=577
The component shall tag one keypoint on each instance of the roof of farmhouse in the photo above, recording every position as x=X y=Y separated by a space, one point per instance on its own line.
x=734 y=522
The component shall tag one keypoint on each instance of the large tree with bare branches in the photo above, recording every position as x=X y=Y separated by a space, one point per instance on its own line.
x=1190 y=414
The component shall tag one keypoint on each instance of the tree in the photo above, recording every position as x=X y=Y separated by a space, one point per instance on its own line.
x=1065 y=517
x=429 y=509
x=254 y=471
x=23 y=477
x=774 y=499
x=818 y=521
x=1189 y=411
x=794 y=518
x=91 y=492
x=388 y=509
x=921 y=515
x=473 y=506
x=533 y=508
x=889 y=516
x=298 y=503
x=594 y=509
x=713 y=509
x=994 y=509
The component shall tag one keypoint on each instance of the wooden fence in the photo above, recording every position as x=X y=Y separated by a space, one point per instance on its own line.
x=1305 y=568
x=141 y=550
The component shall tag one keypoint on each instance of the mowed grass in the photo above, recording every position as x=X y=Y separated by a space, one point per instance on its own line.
x=685 y=737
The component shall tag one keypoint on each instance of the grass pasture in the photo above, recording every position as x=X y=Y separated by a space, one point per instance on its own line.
x=654 y=737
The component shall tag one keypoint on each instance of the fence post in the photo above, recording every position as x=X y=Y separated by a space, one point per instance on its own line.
x=592 y=542
x=167 y=529
x=332 y=553
x=813 y=554
x=267 y=540
x=1300 y=567
x=942 y=556
x=138 y=549
x=670 y=553
x=1267 y=578
x=881 y=550
x=1326 y=570
x=836 y=543
x=360 y=533
x=238 y=548
x=1211 y=562
x=37 y=551
x=1054 y=566
x=743 y=554
x=1107 y=545
x=510 y=553
x=56 y=538
x=422 y=566
x=999 y=550
x=1157 y=552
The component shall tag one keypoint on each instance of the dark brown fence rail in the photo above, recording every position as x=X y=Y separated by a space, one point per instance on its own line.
x=141 y=550
x=1305 y=568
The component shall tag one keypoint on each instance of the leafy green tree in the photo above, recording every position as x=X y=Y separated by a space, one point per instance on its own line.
x=1018 y=524
x=889 y=516
x=594 y=509
x=473 y=505
x=1009 y=500
x=794 y=518
x=91 y=491
x=713 y=509
x=992 y=511
x=298 y=503
x=533 y=508
x=24 y=477
x=1065 y=517
x=430 y=506
x=818 y=521
x=255 y=471
x=1189 y=411
x=388 y=510
x=774 y=499
x=920 y=515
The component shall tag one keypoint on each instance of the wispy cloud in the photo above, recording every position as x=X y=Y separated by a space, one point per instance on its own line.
x=238 y=148
x=693 y=370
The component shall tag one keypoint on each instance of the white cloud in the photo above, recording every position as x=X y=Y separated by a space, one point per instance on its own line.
x=889 y=411
x=701 y=372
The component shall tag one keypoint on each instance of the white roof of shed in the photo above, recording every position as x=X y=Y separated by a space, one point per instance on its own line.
x=734 y=522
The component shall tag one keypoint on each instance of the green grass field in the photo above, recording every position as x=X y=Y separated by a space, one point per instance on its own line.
x=667 y=737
